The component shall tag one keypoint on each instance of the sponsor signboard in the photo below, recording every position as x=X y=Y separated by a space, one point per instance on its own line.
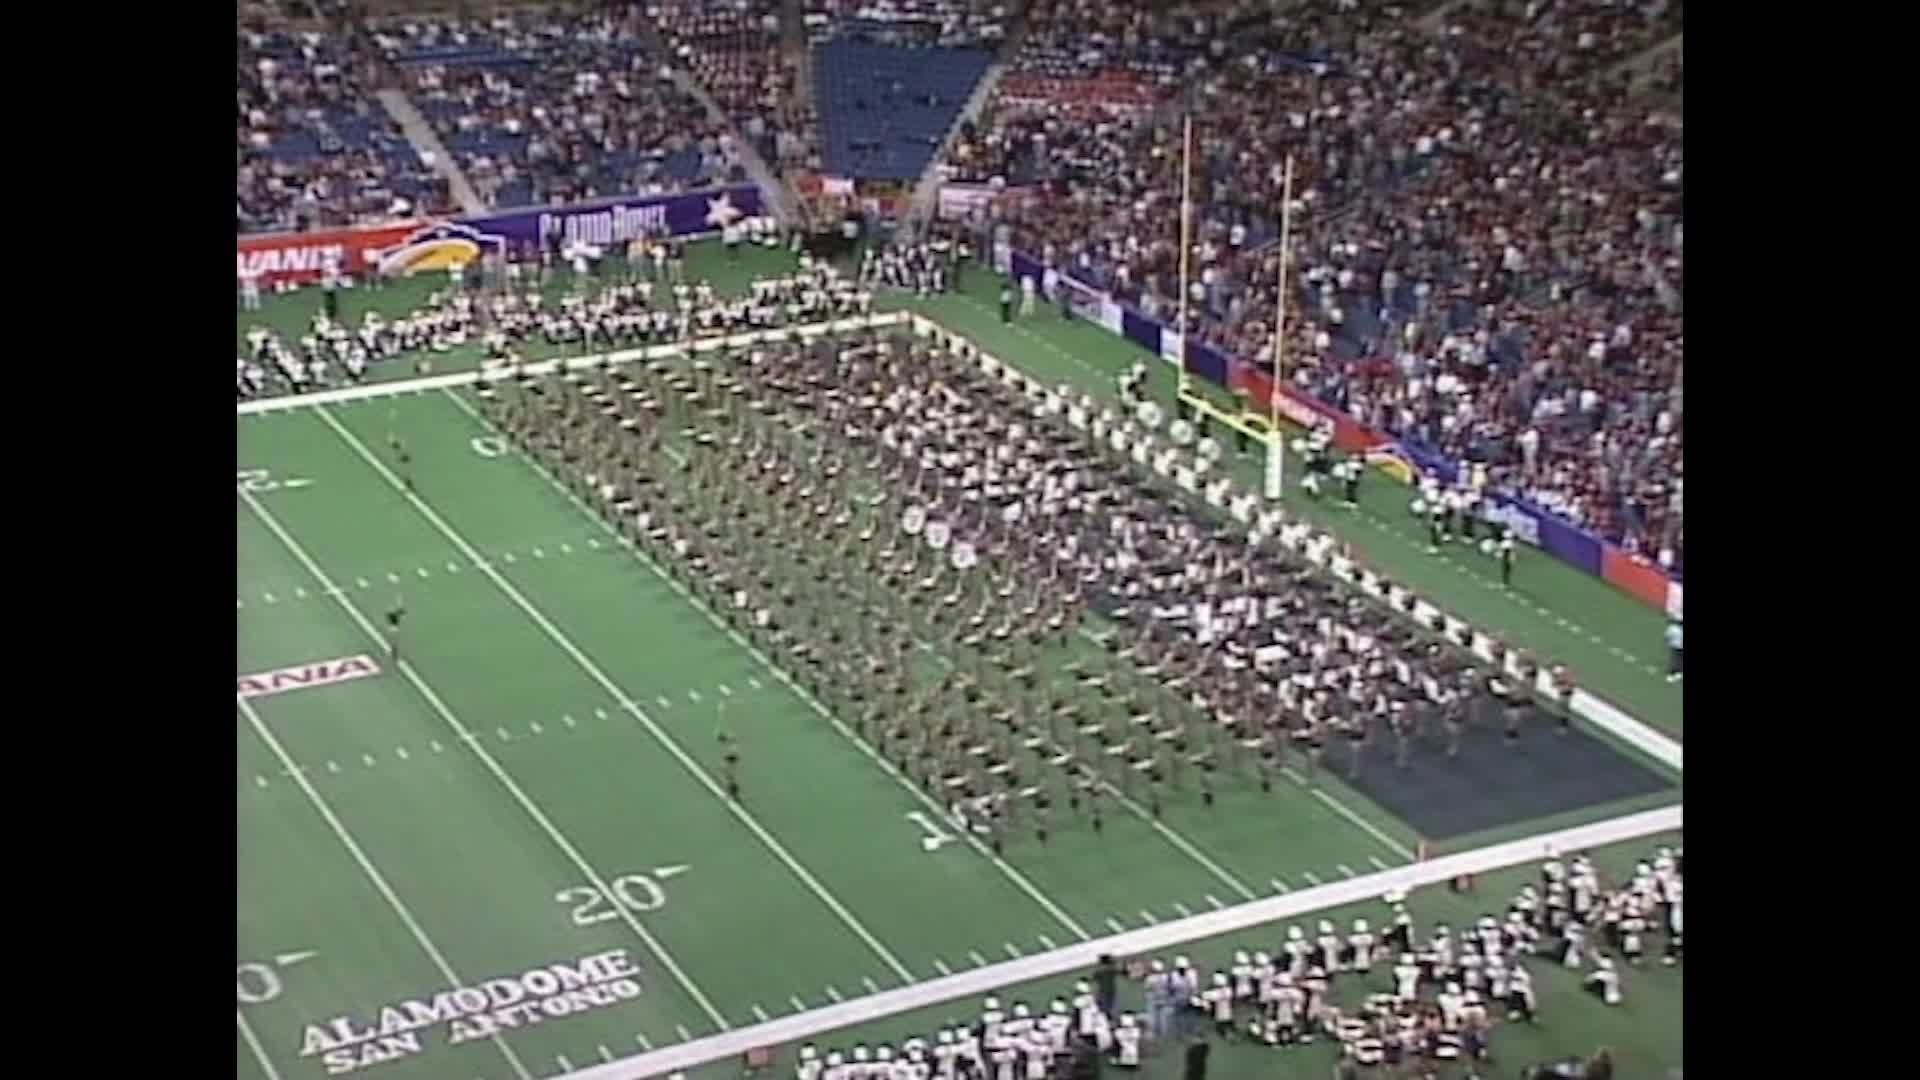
x=302 y=258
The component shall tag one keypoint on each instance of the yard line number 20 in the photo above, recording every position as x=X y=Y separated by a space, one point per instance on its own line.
x=637 y=893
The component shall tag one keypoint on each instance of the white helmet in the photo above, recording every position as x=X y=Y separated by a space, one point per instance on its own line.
x=1359 y=926
x=1293 y=933
x=1179 y=963
x=992 y=1003
x=1082 y=988
x=1261 y=959
x=808 y=1053
x=859 y=1053
x=1158 y=966
x=1219 y=978
x=1326 y=926
x=1241 y=957
x=1019 y=1011
x=834 y=1058
x=885 y=1053
x=1059 y=1006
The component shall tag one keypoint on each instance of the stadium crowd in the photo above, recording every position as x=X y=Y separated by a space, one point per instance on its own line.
x=950 y=23
x=314 y=147
x=1428 y=1001
x=734 y=51
x=545 y=108
x=1489 y=242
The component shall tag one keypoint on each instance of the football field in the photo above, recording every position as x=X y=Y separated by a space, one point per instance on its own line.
x=507 y=851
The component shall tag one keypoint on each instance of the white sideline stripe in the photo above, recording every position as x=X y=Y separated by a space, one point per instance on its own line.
x=613 y=689
x=405 y=667
x=253 y=1044
x=371 y=871
x=1078 y=957
x=467 y=378
x=1007 y=869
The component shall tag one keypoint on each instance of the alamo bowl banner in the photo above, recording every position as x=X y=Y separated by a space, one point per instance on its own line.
x=435 y=247
x=613 y=222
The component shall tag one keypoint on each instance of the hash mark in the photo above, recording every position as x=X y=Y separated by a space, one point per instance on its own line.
x=867 y=981
x=1215 y=901
x=664 y=703
x=1148 y=916
x=1377 y=863
x=642 y=1040
x=605 y=1054
x=535 y=725
x=567 y=549
x=393 y=578
x=333 y=766
x=1308 y=874
x=436 y=746
x=1278 y=885
x=834 y=994
x=421 y=570
x=978 y=960
x=453 y=568
x=753 y=682
x=1343 y=869
x=1116 y=925
x=600 y=713
x=362 y=582
x=504 y=737
x=940 y=966
x=1012 y=949
x=593 y=543
x=259 y=781
x=681 y=1030
x=401 y=752
x=1184 y=911
x=268 y=597
x=1046 y=942
x=760 y=1014
x=694 y=695
x=368 y=758
x=539 y=553
x=301 y=594
x=508 y=557
x=565 y=1065
x=798 y=1005
x=568 y=720
x=725 y=690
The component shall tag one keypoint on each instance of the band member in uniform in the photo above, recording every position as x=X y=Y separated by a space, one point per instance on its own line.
x=1352 y=480
x=1006 y=304
x=1505 y=554
x=1563 y=691
x=394 y=614
x=730 y=762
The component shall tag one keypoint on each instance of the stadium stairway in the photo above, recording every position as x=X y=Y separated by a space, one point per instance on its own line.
x=783 y=203
x=1641 y=65
x=427 y=145
x=927 y=191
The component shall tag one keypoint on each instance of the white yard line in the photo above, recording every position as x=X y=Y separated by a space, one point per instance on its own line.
x=1367 y=888
x=405 y=667
x=620 y=695
x=1013 y=875
x=253 y=1044
x=372 y=873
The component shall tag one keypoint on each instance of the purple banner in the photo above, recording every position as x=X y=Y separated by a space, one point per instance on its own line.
x=1544 y=531
x=613 y=222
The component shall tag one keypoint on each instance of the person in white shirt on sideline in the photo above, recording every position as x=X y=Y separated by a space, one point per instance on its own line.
x=1675 y=640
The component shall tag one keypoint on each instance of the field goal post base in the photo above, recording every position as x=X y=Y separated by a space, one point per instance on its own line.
x=1254 y=427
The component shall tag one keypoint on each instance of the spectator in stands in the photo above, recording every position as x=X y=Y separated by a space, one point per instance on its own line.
x=1488 y=248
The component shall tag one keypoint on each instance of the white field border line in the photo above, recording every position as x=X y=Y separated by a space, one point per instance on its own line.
x=652 y=352
x=373 y=875
x=978 y=981
x=1316 y=547
x=1019 y=880
x=626 y=701
x=253 y=1044
x=478 y=746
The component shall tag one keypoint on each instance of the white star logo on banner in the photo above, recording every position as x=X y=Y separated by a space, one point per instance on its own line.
x=721 y=212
